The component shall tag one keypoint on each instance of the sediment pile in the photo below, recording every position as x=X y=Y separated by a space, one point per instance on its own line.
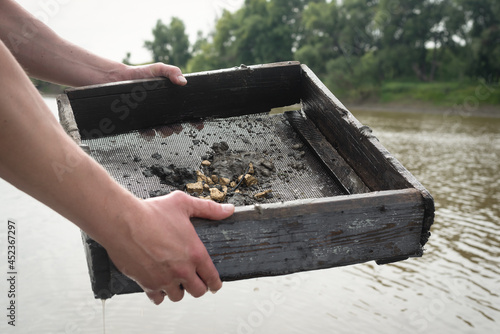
x=240 y=178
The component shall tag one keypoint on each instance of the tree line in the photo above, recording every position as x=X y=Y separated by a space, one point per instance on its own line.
x=352 y=45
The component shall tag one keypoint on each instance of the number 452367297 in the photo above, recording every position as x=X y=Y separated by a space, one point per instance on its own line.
x=11 y=248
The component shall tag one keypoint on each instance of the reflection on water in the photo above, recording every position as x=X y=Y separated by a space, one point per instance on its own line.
x=453 y=288
x=458 y=160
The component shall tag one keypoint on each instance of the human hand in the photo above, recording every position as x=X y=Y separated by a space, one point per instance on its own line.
x=161 y=251
x=156 y=70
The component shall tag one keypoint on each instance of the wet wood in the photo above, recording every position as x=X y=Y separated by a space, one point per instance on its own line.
x=385 y=218
x=356 y=143
x=340 y=170
x=100 y=268
x=67 y=118
x=111 y=109
x=281 y=238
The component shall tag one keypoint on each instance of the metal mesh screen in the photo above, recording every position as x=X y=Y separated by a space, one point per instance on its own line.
x=271 y=137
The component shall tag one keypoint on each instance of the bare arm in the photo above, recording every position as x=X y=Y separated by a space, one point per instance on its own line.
x=152 y=241
x=45 y=55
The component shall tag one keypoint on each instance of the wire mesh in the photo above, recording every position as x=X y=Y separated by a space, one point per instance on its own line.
x=298 y=174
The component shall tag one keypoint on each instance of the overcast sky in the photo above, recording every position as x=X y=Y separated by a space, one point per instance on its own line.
x=113 y=28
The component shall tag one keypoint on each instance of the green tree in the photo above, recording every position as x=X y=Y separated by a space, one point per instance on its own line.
x=170 y=43
x=262 y=31
x=354 y=46
x=257 y=33
x=413 y=36
x=482 y=31
x=204 y=55
x=320 y=42
x=126 y=60
x=338 y=45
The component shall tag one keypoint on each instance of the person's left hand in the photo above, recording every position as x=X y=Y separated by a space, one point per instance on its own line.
x=157 y=70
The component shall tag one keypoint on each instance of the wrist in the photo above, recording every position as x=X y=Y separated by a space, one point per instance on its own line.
x=124 y=213
x=117 y=72
x=133 y=72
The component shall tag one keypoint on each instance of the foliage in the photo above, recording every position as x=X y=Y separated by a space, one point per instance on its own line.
x=483 y=37
x=47 y=88
x=170 y=43
x=356 y=47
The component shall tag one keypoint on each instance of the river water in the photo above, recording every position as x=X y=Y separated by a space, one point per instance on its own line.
x=454 y=287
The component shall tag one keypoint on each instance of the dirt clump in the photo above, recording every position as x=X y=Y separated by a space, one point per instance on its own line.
x=171 y=175
x=237 y=177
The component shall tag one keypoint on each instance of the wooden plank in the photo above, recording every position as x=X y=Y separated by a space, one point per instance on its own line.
x=118 y=108
x=97 y=257
x=283 y=238
x=67 y=118
x=351 y=139
x=355 y=142
x=340 y=171
x=99 y=267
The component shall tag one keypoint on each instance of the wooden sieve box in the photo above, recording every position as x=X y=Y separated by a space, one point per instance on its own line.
x=338 y=196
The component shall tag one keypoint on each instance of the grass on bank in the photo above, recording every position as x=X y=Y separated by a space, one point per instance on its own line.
x=441 y=93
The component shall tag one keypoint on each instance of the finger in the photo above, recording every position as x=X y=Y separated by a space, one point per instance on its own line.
x=195 y=286
x=175 y=292
x=208 y=209
x=155 y=296
x=210 y=276
x=173 y=73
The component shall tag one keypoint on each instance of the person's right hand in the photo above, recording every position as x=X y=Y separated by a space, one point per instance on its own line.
x=161 y=251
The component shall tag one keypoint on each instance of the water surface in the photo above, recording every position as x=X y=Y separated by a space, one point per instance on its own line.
x=454 y=287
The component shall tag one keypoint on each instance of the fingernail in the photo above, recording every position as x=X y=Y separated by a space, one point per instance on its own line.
x=214 y=291
x=182 y=79
x=227 y=207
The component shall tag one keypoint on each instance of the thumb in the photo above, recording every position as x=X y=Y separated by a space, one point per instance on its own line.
x=173 y=73
x=203 y=208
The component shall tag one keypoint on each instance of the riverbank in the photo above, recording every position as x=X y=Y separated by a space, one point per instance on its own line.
x=492 y=111
x=466 y=98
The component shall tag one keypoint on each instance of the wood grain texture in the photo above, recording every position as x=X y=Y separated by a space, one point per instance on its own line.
x=355 y=142
x=283 y=238
x=98 y=264
x=67 y=118
x=339 y=169
x=118 y=108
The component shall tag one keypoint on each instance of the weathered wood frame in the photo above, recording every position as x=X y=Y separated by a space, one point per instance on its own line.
x=385 y=215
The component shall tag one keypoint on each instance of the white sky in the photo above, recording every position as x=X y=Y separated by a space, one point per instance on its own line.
x=113 y=28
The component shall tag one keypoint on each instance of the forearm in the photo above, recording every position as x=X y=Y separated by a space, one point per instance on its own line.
x=46 y=56
x=152 y=241
x=40 y=159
